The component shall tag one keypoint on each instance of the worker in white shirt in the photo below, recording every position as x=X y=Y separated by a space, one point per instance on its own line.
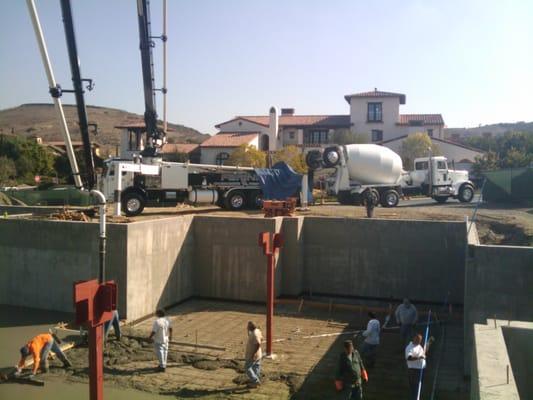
x=415 y=355
x=162 y=335
x=371 y=342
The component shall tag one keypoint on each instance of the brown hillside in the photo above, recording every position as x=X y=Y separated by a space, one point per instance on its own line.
x=41 y=120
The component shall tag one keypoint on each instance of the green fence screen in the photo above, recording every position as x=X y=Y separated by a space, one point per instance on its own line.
x=514 y=184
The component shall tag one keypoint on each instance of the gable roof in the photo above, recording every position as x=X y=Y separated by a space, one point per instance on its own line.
x=179 y=148
x=436 y=140
x=229 y=139
x=376 y=93
x=423 y=119
x=296 y=120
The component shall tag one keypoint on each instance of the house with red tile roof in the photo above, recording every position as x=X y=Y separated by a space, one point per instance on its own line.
x=374 y=114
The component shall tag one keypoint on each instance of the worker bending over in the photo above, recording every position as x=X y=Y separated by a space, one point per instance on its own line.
x=38 y=348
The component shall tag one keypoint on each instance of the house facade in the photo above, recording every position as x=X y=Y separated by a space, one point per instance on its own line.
x=374 y=115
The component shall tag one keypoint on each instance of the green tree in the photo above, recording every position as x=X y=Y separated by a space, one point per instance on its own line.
x=247 y=156
x=346 y=136
x=515 y=158
x=416 y=145
x=292 y=156
x=488 y=162
x=8 y=171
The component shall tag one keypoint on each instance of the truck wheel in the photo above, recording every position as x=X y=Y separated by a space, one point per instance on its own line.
x=466 y=193
x=390 y=198
x=441 y=199
x=133 y=203
x=331 y=157
x=256 y=199
x=312 y=159
x=235 y=201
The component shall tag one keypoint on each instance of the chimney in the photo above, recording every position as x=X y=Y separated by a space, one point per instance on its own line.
x=287 y=111
x=375 y=89
x=273 y=128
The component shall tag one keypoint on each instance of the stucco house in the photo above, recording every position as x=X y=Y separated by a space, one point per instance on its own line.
x=374 y=114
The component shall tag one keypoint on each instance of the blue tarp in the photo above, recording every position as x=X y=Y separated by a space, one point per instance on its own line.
x=279 y=182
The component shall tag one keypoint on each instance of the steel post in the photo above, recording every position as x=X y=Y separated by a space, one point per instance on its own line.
x=96 y=362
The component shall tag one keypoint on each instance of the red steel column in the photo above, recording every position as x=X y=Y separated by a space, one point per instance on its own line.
x=96 y=362
x=270 y=300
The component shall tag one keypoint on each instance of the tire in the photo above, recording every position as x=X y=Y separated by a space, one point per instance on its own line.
x=390 y=198
x=331 y=157
x=255 y=200
x=235 y=201
x=312 y=159
x=441 y=199
x=371 y=195
x=133 y=203
x=466 y=193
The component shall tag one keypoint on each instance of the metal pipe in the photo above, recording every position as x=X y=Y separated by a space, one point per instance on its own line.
x=52 y=84
x=165 y=65
x=118 y=190
x=102 y=235
x=77 y=82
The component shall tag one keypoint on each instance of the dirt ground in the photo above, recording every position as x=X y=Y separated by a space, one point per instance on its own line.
x=303 y=367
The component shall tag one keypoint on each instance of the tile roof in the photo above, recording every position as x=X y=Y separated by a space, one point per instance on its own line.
x=229 y=139
x=297 y=120
x=423 y=119
x=179 y=148
x=376 y=93
x=436 y=140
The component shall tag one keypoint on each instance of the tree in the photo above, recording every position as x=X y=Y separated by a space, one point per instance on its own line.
x=346 y=136
x=516 y=158
x=8 y=171
x=416 y=145
x=488 y=162
x=292 y=156
x=247 y=156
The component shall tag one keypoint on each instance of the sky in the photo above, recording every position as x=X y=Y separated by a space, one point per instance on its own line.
x=471 y=61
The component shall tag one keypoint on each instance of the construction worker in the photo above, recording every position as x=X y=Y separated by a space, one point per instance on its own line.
x=370 y=200
x=349 y=374
x=371 y=342
x=38 y=348
x=161 y=335
x=415 y=355
x=253 y=355
x=406 y=316
x=115 y=322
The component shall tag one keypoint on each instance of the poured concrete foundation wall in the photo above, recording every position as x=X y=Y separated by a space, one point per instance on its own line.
x=498 y=282
x=422 y=260
x=160 y=264
x=519 y=341
x=40 y=260
x=228 y=262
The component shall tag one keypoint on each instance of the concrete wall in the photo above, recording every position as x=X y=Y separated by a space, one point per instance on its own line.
x=422 y=260
x=40 y=260
x=498 y=282
x=160 y=264
x=228 y=262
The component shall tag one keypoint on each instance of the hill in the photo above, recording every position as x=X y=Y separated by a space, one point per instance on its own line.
x=41 y=120
x=493 y=129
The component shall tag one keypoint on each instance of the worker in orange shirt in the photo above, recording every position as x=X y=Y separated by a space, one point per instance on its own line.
x=39 y=347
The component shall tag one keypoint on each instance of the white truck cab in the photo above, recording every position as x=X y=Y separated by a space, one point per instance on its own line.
x=432 y=177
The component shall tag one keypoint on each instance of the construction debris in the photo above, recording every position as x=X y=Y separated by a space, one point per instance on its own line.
x=276 y=208
x=68 y=215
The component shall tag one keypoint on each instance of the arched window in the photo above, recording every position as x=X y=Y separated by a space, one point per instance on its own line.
x=221 y=157
x=264 y=143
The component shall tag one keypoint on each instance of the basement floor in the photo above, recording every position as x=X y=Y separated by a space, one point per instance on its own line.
x=303 y=368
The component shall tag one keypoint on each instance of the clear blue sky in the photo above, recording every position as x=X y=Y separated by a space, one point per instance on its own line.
x=472 y=61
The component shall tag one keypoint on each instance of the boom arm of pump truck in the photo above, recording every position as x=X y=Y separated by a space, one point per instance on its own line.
x=155 y=137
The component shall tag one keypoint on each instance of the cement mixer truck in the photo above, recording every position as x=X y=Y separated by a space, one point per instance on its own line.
x=360 y=169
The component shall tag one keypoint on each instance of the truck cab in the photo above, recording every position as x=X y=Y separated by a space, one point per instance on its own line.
x=432 y=177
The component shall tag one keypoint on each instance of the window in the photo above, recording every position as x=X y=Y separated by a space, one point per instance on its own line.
x=221 y=157
x=316 y=137
x=430 y=132
x=264 y=143
x=292 y=135
x=377 y=135
x=375 y=113
x=441 y=165
x=421 y=165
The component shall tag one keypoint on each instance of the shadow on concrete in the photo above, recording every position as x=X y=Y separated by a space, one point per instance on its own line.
x=197 y=393
x=13 y=316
